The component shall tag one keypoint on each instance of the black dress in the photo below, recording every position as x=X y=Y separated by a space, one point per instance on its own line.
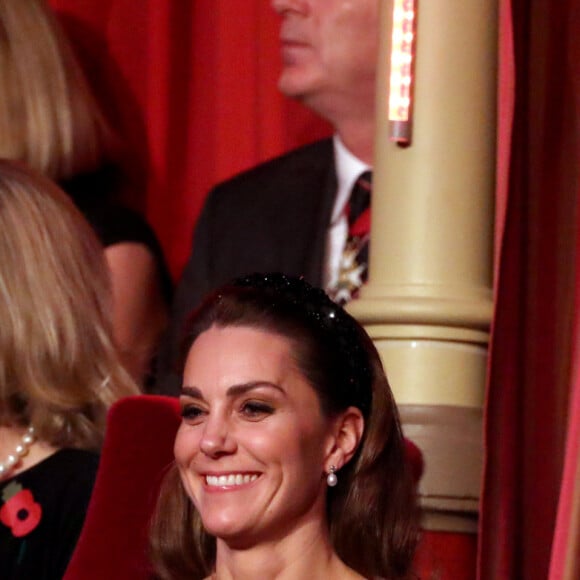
x=42 y=511
x=95 y=195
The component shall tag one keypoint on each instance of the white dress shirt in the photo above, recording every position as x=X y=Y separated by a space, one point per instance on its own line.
x=348 y=170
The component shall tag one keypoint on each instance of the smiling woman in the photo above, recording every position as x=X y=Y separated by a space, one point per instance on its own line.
x=289 y=459
x=254 y=442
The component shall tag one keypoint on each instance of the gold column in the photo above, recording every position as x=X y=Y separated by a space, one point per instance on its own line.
x=428 y=303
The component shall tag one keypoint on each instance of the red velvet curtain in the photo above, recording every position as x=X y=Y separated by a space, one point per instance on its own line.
x=533 y=347
x=565 y=563
x=191 y=88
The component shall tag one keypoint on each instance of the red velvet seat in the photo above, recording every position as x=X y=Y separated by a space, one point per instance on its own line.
x=137 y=451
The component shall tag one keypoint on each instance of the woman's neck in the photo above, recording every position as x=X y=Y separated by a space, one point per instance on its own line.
x=306 y=553
x=10 y=437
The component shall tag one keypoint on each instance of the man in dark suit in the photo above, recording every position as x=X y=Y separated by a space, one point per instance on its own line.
x=289 y=214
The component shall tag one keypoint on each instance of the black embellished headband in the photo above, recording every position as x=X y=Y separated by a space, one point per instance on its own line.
x=331 y=322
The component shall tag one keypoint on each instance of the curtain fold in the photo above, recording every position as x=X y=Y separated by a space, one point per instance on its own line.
x=565 y=564
x=565 y=561
x=532 y=346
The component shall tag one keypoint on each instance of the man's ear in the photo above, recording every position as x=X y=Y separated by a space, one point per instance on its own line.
x=348 y=431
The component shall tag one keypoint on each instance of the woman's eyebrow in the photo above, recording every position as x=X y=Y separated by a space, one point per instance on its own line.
x=236 y=390
x=193 y=392
x=232 y=391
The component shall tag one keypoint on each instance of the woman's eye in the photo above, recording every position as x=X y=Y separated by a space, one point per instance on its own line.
x=191 y=412
x=256 y=409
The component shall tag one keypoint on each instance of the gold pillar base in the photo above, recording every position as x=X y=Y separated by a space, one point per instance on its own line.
x=450 y=439
x=437 y=371
x=433 y=353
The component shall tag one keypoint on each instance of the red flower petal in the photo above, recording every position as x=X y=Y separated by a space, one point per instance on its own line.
x=21 y=513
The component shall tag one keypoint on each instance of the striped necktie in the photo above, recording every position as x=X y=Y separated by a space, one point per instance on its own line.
x=353 y=270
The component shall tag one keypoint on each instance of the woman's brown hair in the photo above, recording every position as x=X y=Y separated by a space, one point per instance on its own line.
x=372 y=511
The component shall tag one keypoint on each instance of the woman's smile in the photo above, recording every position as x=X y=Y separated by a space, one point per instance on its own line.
x=230 y=480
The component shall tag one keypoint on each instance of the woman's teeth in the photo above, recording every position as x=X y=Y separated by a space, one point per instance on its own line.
x=232 y=479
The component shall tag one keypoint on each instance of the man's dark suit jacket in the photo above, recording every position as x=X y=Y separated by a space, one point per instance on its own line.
x=272 y=218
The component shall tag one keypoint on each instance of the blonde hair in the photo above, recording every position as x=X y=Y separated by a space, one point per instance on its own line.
x=48 y=116
x=59 y=368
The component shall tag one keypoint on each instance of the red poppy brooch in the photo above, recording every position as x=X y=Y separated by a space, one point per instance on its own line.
x=20 y=512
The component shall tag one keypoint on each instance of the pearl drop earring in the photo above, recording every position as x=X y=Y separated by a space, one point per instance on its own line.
x=331 y=478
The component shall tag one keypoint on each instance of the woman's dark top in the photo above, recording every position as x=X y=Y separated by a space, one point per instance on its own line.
x=42 y=511
x=95 y=195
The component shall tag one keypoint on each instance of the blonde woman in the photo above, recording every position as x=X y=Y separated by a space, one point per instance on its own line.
x=50 y=120
x=59 y=372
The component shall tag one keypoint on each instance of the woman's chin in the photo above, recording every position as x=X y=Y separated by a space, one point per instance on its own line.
x=225 y=528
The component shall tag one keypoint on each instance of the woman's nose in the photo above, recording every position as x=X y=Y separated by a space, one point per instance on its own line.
x=217 y=438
